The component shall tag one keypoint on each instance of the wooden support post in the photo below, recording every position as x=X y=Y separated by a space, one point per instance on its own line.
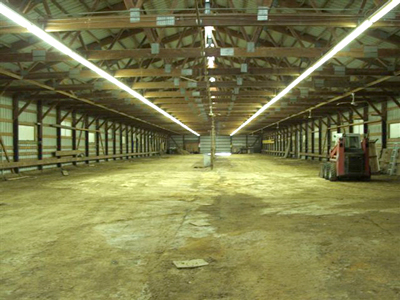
x=328 y=137
x=320 y=138
x=58 y=131
x=149 y=142
x=87 y=151
x=313 y=138
x=121 y=148
x=351 y=121
x=384 y=124
x=141 y=142
x=292 y=143
x=145 y=142
x=74 y=123
x=127 y=130
x=114 y=140
x=97 y=139
x=338 y=123
x=301 y=139
x=106 y=138
x=306 y=145
x=366 y=117
x=15 y=109
x=132 y=134
x=39 y=120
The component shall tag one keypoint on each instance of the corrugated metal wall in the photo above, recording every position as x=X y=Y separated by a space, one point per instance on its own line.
x=6 y=130
x=29 y=149
x=305 y=136
x=223 y=143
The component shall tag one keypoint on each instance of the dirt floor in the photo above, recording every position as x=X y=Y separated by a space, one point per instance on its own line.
x=270 y=228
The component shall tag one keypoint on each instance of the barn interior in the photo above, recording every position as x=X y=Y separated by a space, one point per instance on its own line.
x=199 y=149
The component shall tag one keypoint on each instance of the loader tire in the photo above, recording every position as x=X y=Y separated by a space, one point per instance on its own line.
x=332 y=173
x=326 y=172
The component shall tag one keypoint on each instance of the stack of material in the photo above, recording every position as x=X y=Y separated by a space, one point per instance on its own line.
x=182 y=151
x=385 y=161
x=373 y=158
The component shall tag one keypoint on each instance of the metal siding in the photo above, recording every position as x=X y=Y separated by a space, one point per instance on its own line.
x=6 y=127
x=393 y=111
x=49 y=133
x=176 y=141
x=66 y=141
x=223 y=143
x=238 y=142
x=205 y=144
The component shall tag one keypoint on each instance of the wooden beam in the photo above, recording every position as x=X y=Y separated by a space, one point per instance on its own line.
x=190 y=20
x=172 y=53
x=86 y=101
x=129 y=73
x=347 y=94
x=52 y=161
x=24 y=107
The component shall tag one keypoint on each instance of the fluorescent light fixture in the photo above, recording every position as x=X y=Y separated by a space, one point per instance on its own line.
x=20 y=20
x=331 y=53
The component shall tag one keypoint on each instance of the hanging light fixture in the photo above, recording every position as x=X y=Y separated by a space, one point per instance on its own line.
x=44 y=36
x=342 y=44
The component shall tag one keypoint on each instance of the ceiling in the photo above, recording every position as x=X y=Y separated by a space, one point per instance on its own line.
x=159 y=54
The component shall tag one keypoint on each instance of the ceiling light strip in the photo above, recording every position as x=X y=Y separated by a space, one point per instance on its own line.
x=342 y=44
x=20 y=20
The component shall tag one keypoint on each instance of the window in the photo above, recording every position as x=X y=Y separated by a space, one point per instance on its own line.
x=394 y=130
x=26 y=133
x=333 y=138
x=123 y=139
x=92 y=137
x=66 y=132
x=358 y=129
x=352 y=142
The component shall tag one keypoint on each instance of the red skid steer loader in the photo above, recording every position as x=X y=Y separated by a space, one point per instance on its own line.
x=348 y=159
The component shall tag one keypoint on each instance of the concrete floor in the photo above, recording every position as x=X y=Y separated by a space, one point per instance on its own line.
x=271 y=229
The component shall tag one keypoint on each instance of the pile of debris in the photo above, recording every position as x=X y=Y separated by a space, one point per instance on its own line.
x=390 y=161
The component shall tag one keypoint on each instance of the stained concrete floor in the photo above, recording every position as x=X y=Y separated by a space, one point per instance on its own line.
x=270 y=229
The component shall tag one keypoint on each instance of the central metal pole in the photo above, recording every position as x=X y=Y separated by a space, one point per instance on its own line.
x=206 y=78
